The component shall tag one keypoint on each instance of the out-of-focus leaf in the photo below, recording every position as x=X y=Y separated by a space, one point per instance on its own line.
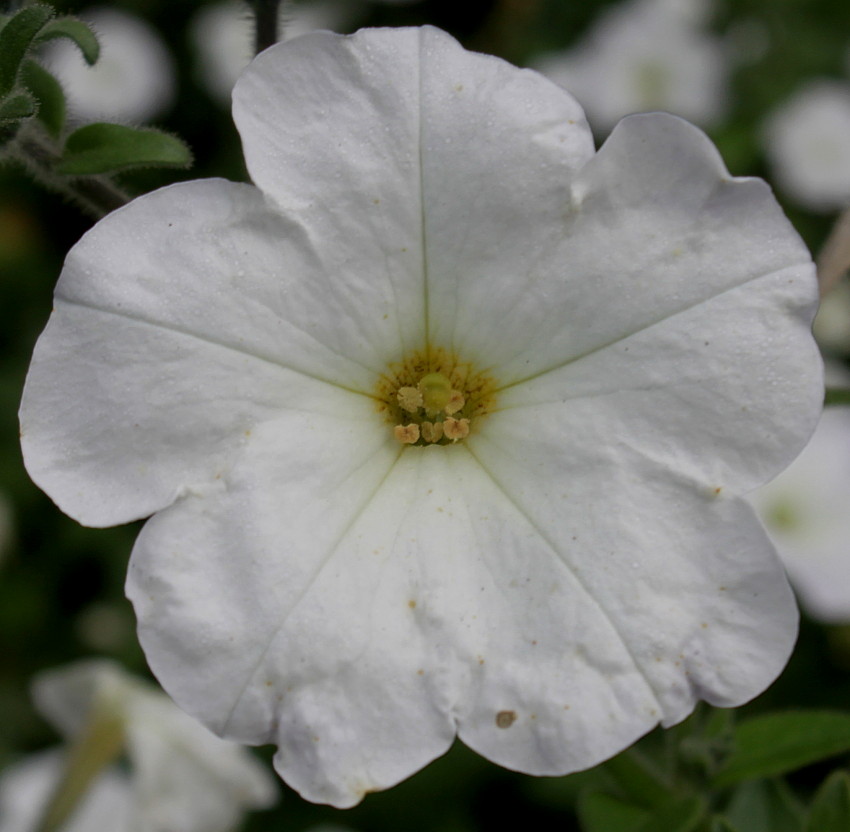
x=109 y=148
x=721 y=824
x=600 y=812
x=830 y=810
x=638 y=780
x=680 y=815
x=16 y=37
x=765 y=806
x=75 y=30
x=777 y=743
x=49 y=94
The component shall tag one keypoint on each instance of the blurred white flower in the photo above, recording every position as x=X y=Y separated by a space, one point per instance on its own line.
x=444 y=421
x=645 y=55
x=223 y=37
x=806 y=510
x=832 y=323
x=807 y=141
x=181 y=777
x=132 y=81
x=26 y=788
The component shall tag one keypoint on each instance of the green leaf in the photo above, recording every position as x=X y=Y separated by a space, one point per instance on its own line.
x=17 y=107
x=830 y=810
x=600 y=812
x=765 y=806
x=781 y=742
x=680 y=815
x=75 y=30
x=49 y=94
x=16 y=37
x=108 y=148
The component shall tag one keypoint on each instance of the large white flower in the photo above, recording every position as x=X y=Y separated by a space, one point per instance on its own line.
x=181 y=777
x=613 y=345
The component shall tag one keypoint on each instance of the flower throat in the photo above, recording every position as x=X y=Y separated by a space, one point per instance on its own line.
x=433 y=398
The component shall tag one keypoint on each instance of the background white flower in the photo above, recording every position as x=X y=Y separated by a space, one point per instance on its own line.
x=576 y=570
x=645 y=55
x=26 y=787
x=223 y=37
x=181 y=777
x=807 y=143
x=806 y=510
x=133 y=79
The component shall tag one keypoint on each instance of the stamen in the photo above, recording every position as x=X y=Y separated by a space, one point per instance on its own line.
x=455 y=403
x=410 y=399
x=406 y=434
x=432 y=431
x=455 y=429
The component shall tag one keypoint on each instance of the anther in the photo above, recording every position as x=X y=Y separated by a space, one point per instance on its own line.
x=406 y=434
x=410 y=399
x=432 y=431
x=455 y=429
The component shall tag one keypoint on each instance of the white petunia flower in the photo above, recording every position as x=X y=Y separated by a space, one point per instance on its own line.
x=807 y=143
x=645 y=55
x=443 y=422
x=26 y=787
x=182 y=778
x=133 y=79
x=806 y=510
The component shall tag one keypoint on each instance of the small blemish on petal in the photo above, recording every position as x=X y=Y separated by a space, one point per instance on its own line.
x=504 y=719
x=412 y=604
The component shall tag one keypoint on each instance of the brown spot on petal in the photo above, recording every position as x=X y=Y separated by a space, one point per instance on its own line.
x=504 y=719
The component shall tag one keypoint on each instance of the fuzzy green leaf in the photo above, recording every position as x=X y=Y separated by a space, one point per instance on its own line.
x=49 y=94
x=16 y=108
x=109 y=148
x=781 y=742
x=830 y=810
x=16 y=38
x=75 y=30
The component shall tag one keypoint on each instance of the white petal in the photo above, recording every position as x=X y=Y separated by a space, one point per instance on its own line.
x=300 y=593
x=424 y=590
x=655 y=226
x=181 y=321
x=724 y=393
x=457 y=170
x=685 y=576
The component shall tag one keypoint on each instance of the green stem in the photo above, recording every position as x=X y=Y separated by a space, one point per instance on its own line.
x=96 y=194
x=266 y=25
x=98 y=746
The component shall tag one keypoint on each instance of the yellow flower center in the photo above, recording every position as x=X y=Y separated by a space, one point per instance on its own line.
x=431 y=397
